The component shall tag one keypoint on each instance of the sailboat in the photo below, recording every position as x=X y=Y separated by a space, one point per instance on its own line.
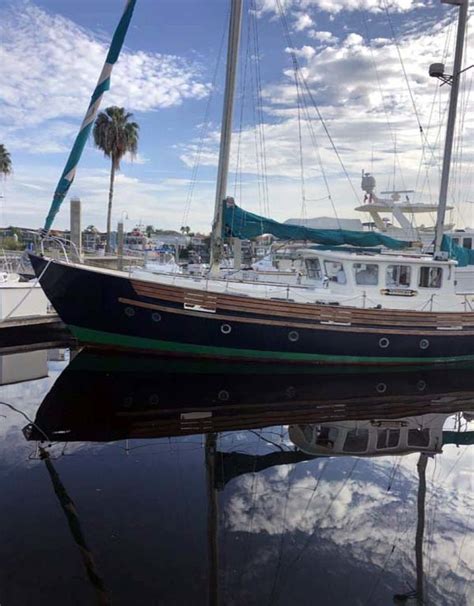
x=357 y=308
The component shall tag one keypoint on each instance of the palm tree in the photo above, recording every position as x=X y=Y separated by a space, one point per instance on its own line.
x=115 y=136
x=5 y=162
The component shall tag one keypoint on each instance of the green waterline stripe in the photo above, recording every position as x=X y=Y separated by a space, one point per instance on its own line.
x=88 y=335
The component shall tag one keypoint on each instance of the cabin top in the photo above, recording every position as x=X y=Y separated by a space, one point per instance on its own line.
x=376 y=257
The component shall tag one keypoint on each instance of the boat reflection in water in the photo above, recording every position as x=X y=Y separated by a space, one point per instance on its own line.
x=110 y=397
x=100 y=398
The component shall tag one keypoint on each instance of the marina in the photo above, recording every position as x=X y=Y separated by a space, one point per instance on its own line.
x=228 y=375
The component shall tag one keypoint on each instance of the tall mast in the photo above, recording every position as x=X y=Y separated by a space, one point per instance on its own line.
x=226 y=131
x=448 y=145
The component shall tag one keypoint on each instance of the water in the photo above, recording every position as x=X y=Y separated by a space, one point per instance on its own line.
x=199 y=484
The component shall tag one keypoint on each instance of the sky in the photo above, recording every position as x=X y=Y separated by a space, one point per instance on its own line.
x=365 y=63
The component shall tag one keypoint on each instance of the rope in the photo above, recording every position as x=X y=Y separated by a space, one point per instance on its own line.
x=20 y=412
x=26 y=295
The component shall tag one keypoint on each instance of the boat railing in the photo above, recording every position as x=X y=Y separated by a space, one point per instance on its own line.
x=58 y=248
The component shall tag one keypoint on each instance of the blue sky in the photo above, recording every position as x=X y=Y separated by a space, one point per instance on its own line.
x=51 y=53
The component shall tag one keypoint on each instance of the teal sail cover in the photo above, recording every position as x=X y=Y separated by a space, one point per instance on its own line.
x=103 y=85
x=241 y=224
x=462 y=255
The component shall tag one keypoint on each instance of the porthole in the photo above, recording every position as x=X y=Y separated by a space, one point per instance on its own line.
x=290 y=392
x=129 y=311
x=223 y=395
x=421 y=385
x=424 y=344
x=384 y=342
x=153 y=400
x=226 y=329
x=127 y=401
x=156 y=317
x=381 y=387
x=293 y=336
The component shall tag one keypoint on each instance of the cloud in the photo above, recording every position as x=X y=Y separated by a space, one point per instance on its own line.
x=50 y=65
x=322 y=506
x=337 y=6
x=303 y=21
x=323 y=36
x=361 y=91
x=306 y=52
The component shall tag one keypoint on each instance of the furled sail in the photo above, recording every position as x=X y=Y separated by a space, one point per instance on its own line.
x=239 y=223
x=103 y=85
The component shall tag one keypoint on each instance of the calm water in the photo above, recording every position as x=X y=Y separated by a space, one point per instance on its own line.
x=212 y=484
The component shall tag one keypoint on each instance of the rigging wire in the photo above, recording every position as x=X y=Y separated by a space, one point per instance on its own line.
x=390 y=126
x=310 y=537
x=243 y=85
x=261 y=121
x=431 y=159
x=204 y=129
x=405 y=75
x=287 y=34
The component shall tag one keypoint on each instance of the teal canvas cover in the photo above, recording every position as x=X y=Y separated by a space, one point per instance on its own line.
x=462 y=255
x=241 y=224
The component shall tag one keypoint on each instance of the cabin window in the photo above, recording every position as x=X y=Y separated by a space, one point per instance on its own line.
x=313 y=269
x=335 y=272
x=326 y=437
x=356 y=440
x=398 y=275
x=387 y=438
x=430 y=277
x=467 y=243
x=366 y=274
x=455 y=241
x=419 y=437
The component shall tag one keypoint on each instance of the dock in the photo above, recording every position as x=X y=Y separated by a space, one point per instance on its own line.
x=34 y=332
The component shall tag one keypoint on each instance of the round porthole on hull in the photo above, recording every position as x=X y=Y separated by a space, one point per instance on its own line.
x=129 y=311
x=223 y=395
x=293 y=336
x=384 y=342
x=156 y=317
x=424 y=344
x=226 y=329
x=421 y=385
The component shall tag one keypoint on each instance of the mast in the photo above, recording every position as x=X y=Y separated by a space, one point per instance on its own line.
x=420 y=527
x=226 y=131
x=212 y=519
x=448 y=145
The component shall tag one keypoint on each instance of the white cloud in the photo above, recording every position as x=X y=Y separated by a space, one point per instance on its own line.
x=348 y=516
x=303 y=21
x=305 y=52
x=50 y=65
x=336 y=6
x=323 y=36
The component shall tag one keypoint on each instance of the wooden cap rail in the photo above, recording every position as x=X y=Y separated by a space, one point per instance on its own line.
x=313 y=312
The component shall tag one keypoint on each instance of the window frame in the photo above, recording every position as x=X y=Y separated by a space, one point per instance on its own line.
x=437 y=267
x=333 y=278
x=398 y=285
x=358 y=266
